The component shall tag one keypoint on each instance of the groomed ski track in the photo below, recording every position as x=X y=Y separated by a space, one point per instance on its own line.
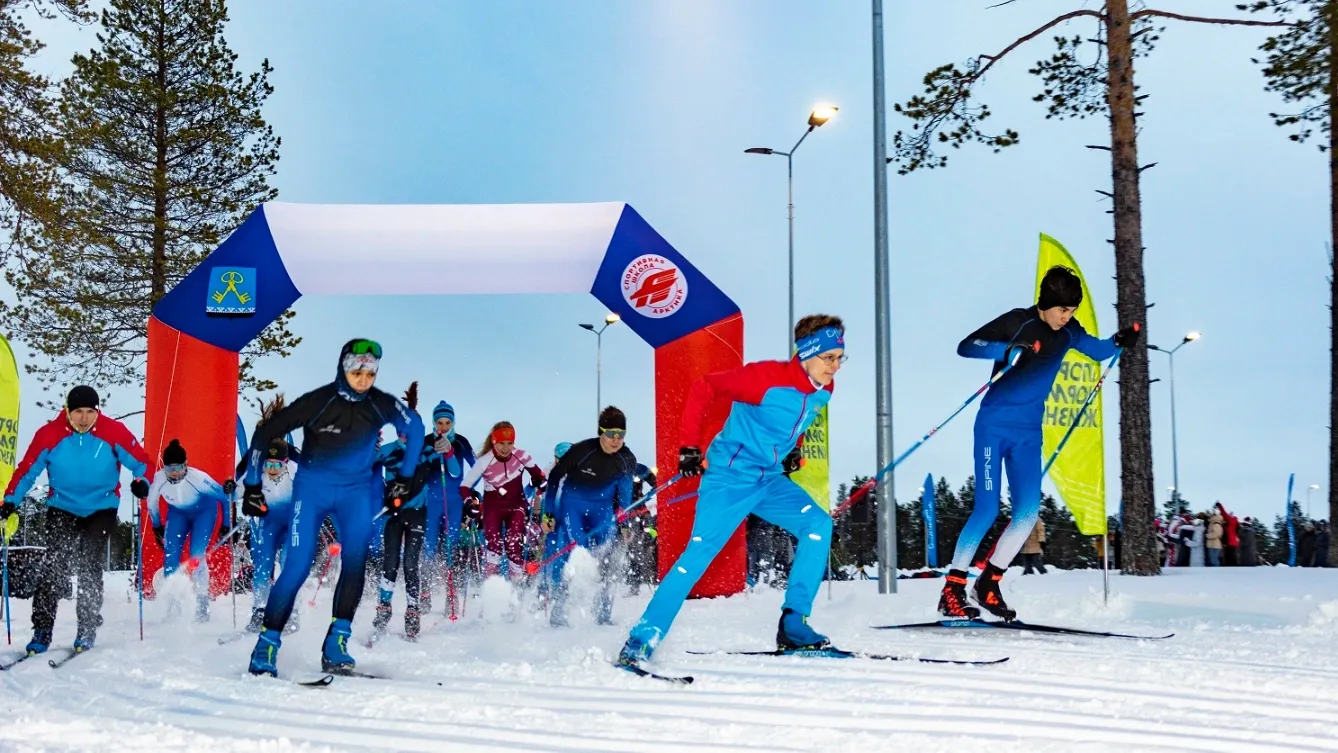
x=1250 y=669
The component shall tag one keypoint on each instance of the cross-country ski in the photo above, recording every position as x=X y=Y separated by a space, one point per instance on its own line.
x=836 y=653
x=1021 y=626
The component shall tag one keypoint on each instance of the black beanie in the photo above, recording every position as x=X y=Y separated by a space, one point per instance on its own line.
x=278 y=450
x=175 y=454
x=82 y=396
x=1061 y=286
x=612 y=418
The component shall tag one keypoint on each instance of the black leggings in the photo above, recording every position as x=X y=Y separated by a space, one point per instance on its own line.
x=407 y=527
x=74 y=546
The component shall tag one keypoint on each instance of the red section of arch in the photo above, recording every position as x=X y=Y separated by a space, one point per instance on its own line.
x=191 y=396
x=677 y=365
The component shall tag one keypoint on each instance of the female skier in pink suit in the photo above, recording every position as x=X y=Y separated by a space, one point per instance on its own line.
x=501 y=465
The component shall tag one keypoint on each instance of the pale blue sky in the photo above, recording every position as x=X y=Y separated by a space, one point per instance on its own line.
x=653 y=103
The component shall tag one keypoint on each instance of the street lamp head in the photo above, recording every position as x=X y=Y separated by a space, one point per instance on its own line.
x=612 y=319
x=1153 y=347
x=1314 y=486
x=590 y=327
x=1192 y=336
x=821 y=114
x=759 y=150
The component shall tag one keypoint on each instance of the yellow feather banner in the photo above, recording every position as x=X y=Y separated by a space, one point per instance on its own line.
x=1079 y=473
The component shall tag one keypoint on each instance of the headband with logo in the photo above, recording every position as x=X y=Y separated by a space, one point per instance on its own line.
x=825 y=339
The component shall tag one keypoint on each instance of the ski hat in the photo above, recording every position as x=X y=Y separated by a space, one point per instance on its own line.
x=174 y=453
x=612 y=418
x=82 y=396
x=278 y=450
x=444 y=410
x=561 y=449
x=357 y=354
x=1061 y=286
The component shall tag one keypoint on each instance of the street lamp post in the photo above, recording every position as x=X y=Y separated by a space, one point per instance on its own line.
x=1312 y=488
x=1175 y=456
x=817 y=117
x=599 y=358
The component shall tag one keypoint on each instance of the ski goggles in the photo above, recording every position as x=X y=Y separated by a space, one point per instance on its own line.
x=612 y=433
x=175 y=472
x=365 y=348
x=275 y=465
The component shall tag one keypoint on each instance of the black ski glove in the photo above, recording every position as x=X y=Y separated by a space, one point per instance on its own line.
x=140 y=488
x=690 y=461
x=7 y=508
x=792 y=462
x=158 y=533
x=229 y=487
x=1023 y=349
x=253 y=502
x=398 y=492
x=1127 y=336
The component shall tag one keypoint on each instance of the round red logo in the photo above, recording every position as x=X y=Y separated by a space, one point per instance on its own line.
x=654 y=286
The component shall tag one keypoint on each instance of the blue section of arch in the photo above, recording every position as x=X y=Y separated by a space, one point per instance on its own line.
x=705 y=304
x=251 y=245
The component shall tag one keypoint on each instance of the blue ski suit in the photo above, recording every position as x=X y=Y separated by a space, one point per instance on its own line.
x=595 y=485
x=270 y=533
x=774 y=403
x=340 y=430
x=1008 y=424
x=193 y=505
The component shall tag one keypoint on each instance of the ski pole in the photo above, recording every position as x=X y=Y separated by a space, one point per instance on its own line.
x=139 y=566
x=871 y=483
x=232 y=562
x=1076 y=419
x=534 y=567
x=9 y=636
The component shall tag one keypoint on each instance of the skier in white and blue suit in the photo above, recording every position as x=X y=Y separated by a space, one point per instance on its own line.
x=1008 y=428
x=193 y=503
x=341 y=422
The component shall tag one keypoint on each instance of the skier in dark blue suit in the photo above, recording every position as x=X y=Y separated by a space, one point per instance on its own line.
x=1008 y=428
x=596 y=479
x=340 y=422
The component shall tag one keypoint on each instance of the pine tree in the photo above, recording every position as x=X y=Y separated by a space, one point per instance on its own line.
x=947 y=114
x=168 y=152
x=30 y=195
x=1300 y=64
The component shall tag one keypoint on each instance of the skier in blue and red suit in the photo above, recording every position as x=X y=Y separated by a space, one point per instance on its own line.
x=341 y=423
x=1008 y=428
x=82 y=452
x=774 y=402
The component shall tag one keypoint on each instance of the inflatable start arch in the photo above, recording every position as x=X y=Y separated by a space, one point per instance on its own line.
x=284 y=251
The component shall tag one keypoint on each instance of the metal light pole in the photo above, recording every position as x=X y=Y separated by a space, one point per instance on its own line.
x=1312 y=488
x=599 y=358
x=1175 y=456
x=887 y=506
x=820 y=115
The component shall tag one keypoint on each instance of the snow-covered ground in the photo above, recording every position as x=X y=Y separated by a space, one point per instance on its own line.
x=1251 y=668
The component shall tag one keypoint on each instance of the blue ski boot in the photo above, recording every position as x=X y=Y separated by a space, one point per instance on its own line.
x=40 y=643
x=265 y=657
x=84 y=639
x=334 y=654
x=793 y=633
x=634 y=652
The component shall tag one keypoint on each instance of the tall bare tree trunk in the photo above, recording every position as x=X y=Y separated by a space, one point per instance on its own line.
x=1332 y=12
x=158 y=286
x=1138 y=550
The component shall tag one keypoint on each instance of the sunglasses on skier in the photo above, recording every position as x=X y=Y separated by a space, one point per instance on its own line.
x=274 y=465
x=613 y=433
x=366 y=348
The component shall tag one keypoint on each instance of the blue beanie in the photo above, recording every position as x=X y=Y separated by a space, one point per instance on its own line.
x=561 y=449
x=443 y=410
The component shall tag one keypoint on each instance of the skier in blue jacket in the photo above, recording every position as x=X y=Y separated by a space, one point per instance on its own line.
x=82 y=453
x=1008 y=428
x=773 y=404
x=340 y=424
x=595 y=476
x=269 y=534
x=194 y=501
x=454 y=456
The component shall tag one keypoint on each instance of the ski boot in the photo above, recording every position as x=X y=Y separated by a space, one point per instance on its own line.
x=86 y=635
x=411 y=624
x=334 y=654
x=793 y=633
x=634 y=652
x=40 y=643
x=265 y=656
x=382 y=619
x=257 y=622
x=201 y=609
x=952 y=602
x=988 y=596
